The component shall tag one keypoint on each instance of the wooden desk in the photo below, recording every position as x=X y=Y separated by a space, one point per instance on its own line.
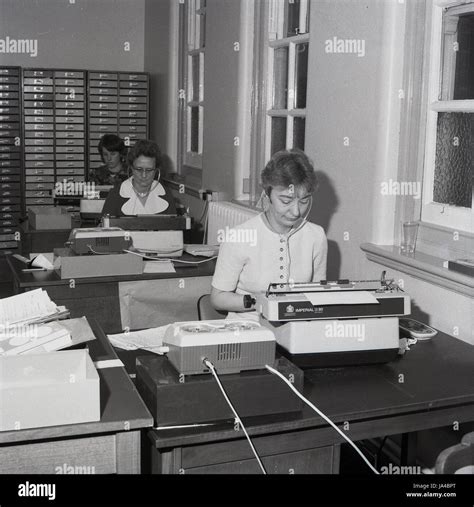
x=111 y=445
x=44 y=240
x=431 y=386
x=99 y=297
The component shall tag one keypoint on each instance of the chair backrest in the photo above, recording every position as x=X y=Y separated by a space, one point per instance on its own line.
x=457 y=456
x=206 y=311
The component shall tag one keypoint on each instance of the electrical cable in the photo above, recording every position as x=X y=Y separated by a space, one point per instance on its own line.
x=237 y=418
x=293 y=388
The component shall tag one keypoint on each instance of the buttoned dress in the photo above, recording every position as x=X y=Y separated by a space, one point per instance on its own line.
x=252 y=256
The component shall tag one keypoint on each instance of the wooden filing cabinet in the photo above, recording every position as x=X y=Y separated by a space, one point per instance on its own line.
x=11 y=162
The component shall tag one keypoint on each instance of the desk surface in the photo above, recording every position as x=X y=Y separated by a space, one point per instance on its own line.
x=433 y=382
x=119 y=400
x=48 y=278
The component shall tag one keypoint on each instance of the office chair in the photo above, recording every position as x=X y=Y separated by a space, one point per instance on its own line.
x=457 y=456
x=206 y=311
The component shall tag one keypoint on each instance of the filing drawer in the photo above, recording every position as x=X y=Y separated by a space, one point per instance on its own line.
x=133 y=77
x=9 y=71
x=38 y=103
x=69 y=135
x=39 y=179
x=39 y=201
x=133 y=93
x=69 y=74
x=103 y=128
x=7 y=171
x=38 y=134
x=38 y=164
x=9 y=117
x=132 y=100
x=71 y=171
x=9 y=110
x=102 y=75
x=37 y=73
x=39 y=111
x=70 y=90
x=69 y=142
x=38 y=89
x=38 y=142
x=103 y=114
x=10 y=134
x=10 y=187
x=97 y=83
x=9 y=103
x=9 y=163
x=102 y=107
x=70 y=112
x=103 y=98
x=38 y=96
x=9 y=95
x=9 y=217
x=134 y=84
x=69 y=163
x=127 y=129
x=103 y=121
x=69 y=119
x=38 y=149
x=69 y=96
x=9 y=156
x=10 y=208
x=9 y=79
x=39 y=119
x=102 y=91
x=40 y=186
x=39 y=156
x=69 y=149
x=70 y=156
x=63 y=127
x=35 y=81
x=68 y=82
x=40 y=126
x=8 y=199
x=39 y=172
x=37 y=193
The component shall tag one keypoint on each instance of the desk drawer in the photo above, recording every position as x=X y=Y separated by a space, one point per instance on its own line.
x=324 y=460
x=51 y=457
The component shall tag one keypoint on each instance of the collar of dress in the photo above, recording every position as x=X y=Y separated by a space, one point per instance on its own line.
x=153 y=204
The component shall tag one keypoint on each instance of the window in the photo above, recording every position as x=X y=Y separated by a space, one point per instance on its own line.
x=192 y=22
x=288 y=49
x=449 y=152
x=280 y=81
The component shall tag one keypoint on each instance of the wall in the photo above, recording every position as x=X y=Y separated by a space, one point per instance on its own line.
x=83 y=34
x=157 y=62
x=221 y=79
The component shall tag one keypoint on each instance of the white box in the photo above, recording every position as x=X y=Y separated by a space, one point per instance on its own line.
x=38 y=390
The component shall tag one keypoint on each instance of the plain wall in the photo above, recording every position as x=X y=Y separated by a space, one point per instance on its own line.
x=86 y=34
x=156 y=62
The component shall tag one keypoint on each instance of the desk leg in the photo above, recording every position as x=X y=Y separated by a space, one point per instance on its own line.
x=408 y=449
x=127 y=448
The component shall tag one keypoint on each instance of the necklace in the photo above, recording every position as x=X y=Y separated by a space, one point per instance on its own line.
x=141 y=194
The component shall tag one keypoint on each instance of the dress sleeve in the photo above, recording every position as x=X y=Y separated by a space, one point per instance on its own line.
x=229 y=266
x=320 y=258
x=113 y=203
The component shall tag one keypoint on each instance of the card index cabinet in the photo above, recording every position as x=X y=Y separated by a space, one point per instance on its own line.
x=55 y=131
x=11 y=163
x=118 y=103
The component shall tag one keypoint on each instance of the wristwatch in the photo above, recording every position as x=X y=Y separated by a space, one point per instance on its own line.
x=249 y=301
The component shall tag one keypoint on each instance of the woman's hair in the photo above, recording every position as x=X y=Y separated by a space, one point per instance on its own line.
x=289 y=167
x=112 y=142
x=144 y=148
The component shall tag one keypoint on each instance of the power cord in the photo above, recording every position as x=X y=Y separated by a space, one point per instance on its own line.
x=293 y=388
x=237 y=418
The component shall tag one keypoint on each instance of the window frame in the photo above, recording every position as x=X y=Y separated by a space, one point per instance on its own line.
x=444 y=215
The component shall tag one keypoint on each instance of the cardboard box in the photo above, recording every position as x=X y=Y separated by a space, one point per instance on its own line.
x=51 y=389
x=87 y=266
x=45 y=217
x=174 y=400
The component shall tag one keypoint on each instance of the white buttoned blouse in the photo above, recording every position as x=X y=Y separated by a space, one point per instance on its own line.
x=252 y=256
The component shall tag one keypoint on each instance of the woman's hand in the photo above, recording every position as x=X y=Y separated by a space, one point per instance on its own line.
x=228 y=301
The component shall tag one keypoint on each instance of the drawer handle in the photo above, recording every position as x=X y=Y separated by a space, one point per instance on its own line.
x=71 y=171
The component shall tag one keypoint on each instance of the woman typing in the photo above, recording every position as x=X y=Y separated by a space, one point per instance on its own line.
x=142 y=193
x=278 y=245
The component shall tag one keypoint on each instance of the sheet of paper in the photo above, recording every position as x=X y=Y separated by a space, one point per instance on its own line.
x=44 y=260
x=26 y=307
x=355 y=297
x=148 y=339
x=158 y=267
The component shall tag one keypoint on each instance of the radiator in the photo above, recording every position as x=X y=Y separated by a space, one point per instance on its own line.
x=222 y=214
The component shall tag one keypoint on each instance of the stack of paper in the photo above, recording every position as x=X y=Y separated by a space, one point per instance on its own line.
x=148 y=339
x=34 y=338
x=31 y=307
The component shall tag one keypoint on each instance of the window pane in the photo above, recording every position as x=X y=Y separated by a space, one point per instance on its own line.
x=464 y=80
x=195 y=78
x=278 y=134
x=280 y=78
x=293 y=17
x=298 y=132
x=301 y=75
x=195 y=129
x=454 y=159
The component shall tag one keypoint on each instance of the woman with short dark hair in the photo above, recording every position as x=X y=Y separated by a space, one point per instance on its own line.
x=142 y=193
x=113 y=153
x=278 y=245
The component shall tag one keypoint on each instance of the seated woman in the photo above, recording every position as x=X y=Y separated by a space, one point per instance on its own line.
x=142 y=193
x=278 y=245
x=113 y=153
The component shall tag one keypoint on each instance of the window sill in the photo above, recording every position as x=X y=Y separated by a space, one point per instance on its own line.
x=420 y=265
